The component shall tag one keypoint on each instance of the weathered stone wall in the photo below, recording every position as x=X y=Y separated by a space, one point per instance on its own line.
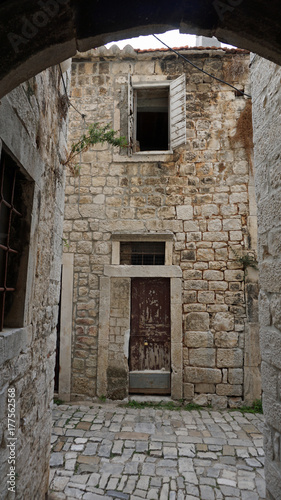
x=33 y=128
x=202 y=194
x=266 y=120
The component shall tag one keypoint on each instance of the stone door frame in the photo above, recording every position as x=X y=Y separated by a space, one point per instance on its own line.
x=118 y=271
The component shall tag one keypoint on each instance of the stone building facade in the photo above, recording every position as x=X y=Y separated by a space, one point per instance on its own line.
x=187 y=200
x=265 y=78
x=33 y=122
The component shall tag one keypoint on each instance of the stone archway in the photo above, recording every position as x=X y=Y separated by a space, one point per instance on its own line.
x=37 y=34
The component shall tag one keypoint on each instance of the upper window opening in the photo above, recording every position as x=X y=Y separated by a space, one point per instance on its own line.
x=142 y=253
x=14 y=236
x=157 y=115
x=152 y=129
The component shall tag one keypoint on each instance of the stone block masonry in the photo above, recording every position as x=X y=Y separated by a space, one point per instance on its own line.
x=201 y=193
x=33 y=123
x=266 y=119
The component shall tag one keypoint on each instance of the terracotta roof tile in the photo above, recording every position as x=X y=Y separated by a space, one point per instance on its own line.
x=225 y=49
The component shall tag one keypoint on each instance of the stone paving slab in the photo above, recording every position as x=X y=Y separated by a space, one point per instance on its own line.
x=109 y=452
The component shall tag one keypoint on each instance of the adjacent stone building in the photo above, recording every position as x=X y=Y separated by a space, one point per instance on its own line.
x=265 y=78
x=33 y=121
x=157 y=296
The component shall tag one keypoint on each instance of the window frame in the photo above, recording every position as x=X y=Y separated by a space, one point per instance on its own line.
x=176 y=112
x=15 y=318
x=167 y=238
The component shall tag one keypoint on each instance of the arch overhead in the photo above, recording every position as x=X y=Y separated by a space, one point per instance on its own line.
x=36 y=34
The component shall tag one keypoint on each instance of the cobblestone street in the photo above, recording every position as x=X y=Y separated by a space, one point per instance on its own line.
x=104 y=451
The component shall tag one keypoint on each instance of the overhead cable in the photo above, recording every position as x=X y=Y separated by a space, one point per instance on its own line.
x=202 y=70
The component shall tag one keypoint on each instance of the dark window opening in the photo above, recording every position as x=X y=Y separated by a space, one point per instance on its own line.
x=15 y=192
x=142 y=253
x=152 y=133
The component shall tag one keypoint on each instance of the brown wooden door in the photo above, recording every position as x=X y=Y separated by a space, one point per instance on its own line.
x=150 y=337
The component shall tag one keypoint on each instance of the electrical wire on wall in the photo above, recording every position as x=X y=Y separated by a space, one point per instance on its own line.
x=202 y=70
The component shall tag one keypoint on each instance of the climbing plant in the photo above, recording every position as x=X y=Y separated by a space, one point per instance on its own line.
x=95 y=134
x=245 y=260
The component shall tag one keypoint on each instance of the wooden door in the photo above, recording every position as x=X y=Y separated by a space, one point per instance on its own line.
x=150 y=337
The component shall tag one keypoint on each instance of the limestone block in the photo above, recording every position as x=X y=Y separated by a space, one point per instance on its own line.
x=198 y=375
x=275 y=310
x=221 y=254
x=219 y=402
x=195 y=285
x=215 y=236
x=185 y=212
x=234 y=275
x=201 y=400
x=202 y=357
x=270 y=377
x=205 y=388
x=205 y=254
x=232 y=358
x=84 y=247
x=211 y=275
x=198 y=339
x=238 y=198
x=234 y=298
x=193 y=236
x=252 y=355
x=188 y=391
x=190 y=226
x=235 y=235
x=197 y=321
x=192 y=274
x=226 y=339
x=218 y=285
x=210 y=210
x=231 y=224
x=223 y=322
x=206 y=297
x=227 y=210
x=228 y=390
x=188 y=255
x=270 y=275
x=252 y=384
x=215 y=225
x=189 y=297
x=270 y=344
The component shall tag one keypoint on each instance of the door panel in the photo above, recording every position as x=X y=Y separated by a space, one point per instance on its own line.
x=150 y=338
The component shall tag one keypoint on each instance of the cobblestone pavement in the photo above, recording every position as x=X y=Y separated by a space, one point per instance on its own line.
x=104 y=451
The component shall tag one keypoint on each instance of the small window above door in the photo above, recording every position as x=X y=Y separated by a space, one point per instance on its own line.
x=137 y=249
x=142 y=253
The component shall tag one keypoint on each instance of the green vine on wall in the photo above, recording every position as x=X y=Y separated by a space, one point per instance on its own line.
x=94 y=135
x=246 y=260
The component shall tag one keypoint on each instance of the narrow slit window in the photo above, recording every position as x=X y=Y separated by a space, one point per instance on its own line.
x=142 y=253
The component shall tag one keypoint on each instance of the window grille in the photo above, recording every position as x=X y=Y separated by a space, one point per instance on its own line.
x=142 y=253
x=13 y=234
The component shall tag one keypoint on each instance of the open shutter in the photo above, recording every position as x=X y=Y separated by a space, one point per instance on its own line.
x=178 y=112
x=131 y=115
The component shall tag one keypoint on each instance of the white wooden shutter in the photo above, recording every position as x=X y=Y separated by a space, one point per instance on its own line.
x=131 y=115
x=178 y=112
